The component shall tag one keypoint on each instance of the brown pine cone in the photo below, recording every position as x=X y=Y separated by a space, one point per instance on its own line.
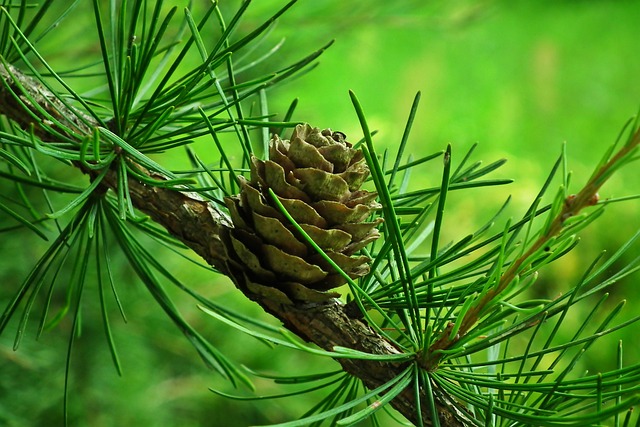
x=317 y=177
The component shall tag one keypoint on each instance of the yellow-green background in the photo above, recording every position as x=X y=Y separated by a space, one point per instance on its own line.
x=520 y=78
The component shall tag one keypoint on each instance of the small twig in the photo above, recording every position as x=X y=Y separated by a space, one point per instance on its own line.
x=573 y=204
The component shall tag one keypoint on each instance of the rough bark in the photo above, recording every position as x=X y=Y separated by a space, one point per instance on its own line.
x=201 y=226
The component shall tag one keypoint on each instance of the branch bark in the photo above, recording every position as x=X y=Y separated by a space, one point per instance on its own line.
x=202 y=227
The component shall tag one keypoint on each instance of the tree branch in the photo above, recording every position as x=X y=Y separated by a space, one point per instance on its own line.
x=202 y=227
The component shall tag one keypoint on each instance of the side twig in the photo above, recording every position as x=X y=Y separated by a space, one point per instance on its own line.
x=572 y=206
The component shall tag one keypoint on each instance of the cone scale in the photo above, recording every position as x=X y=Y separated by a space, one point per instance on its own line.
x=316 y=176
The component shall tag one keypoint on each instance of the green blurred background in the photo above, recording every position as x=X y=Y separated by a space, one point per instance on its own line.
x=519 y=78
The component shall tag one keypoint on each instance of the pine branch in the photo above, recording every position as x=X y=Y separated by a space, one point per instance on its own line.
x=202 y=227
x=573 y=205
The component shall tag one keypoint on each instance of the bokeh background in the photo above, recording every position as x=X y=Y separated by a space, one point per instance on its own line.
x=520 y=78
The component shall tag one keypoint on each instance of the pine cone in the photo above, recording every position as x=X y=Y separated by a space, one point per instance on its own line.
x=316 y=176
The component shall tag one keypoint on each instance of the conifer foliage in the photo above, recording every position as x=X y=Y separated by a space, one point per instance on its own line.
x=323 y=232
